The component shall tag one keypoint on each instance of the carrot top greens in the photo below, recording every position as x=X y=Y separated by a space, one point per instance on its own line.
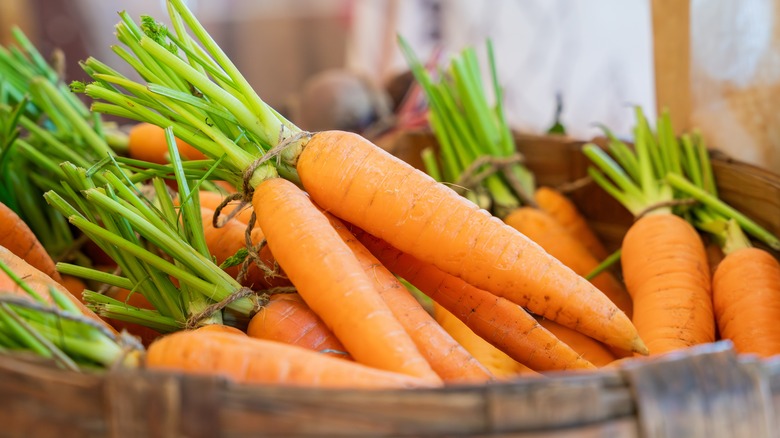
x=190 y=85
x=42 y=124
x=666 y=173
x=59 y=330
x=476 y=146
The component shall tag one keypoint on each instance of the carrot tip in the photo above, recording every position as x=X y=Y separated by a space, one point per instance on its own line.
x=638 y=346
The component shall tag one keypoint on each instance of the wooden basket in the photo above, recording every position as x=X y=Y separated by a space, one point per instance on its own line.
x=705 y=391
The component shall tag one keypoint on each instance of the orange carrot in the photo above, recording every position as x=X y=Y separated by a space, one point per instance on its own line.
x=666 y=272
x=74 y=285
x=543 y=229
x=497 y=320
x=496 y=361
x=38 y=282
x=211 y=200
x=221 y=328
x=448 y=358
x=360 y=183
x=225 y=241
x=593 y=351
x=331 y=281
x=746 y=299
x=566 y=213
x=287 y=318
x=250 y=360
x=147 y=142
x=18 y=238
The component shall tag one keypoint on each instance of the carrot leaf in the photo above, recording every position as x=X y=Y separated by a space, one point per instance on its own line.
x=476 y=146
x=635 y=176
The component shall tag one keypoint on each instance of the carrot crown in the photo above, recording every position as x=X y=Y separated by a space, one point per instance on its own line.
x=635 y=177
x=725 y=224
x=664 y=173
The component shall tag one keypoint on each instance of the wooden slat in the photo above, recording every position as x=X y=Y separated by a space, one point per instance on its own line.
x=671 y=56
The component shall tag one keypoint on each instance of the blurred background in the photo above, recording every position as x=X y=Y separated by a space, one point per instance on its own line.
x=597 y=56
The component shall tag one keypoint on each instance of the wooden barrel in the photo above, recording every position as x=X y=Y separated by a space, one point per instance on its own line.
x=705 y=391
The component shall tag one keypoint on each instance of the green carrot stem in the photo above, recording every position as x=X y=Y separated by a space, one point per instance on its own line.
x=130 y=34
x=34 y=55
x=98 y=144
x=20 y=282
x=108 y=307
x=261 y=129
x=701 y=195
x=622 y=154
x=604 y=265
x=267 y=118
x=32 y=339
x=208 y=288
x=171 y=245
x=59 y=149
x=190 y=205
x=94 y=275
x=99 y=349
x=612 y=169
x=430 y=164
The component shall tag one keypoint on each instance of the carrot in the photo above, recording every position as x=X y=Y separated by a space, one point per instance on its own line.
x=746 y=279
x=221 y=328
x=542 y=228
x=147 y=142
x=557 y=205
x=358 y=182
x=212 y=200
x=287 y=318
x=364 y=185
x=663 y=258
x=259 y=361
x=448 y=358
x=591 y=350
x=666 y=272
x=331 y=281
x=499 y=321
x=225 y=241
x=18 y=238
x=496 y=361
x=74 y=285
x=746 y=299
x=39 y=282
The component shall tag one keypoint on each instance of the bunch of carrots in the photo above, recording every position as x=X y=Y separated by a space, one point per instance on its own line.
x=478 y=156
x=330 y=269
x=668 y=184
x=243 y=246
